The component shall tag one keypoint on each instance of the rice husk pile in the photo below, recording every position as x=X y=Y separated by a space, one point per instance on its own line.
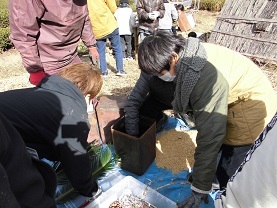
x=175 y=150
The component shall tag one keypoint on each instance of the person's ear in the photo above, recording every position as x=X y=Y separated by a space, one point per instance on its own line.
x=173 y=61
x=175 y=57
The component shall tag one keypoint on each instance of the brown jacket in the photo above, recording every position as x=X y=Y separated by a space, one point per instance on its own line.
x=144 y=7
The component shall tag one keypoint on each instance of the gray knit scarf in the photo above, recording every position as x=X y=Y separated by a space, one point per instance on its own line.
x=188 y=68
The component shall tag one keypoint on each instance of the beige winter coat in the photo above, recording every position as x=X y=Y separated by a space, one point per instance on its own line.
x=252 y=101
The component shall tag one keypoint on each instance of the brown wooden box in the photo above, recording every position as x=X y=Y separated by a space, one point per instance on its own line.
x=136 y=153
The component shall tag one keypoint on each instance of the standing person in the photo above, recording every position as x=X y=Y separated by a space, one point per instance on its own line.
x=25 y=180
x=126 y=21
x=149 y=12
x=230 y=97
x=183 y=22
x=105 y=27
x=47 y=34
x=171 y=15
x=52 y=118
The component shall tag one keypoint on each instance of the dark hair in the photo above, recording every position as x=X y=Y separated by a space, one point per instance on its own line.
x=192 y=34
x=180 y=7
x=155 y=51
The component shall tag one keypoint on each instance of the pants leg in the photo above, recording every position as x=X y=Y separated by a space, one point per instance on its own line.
x=122 y=39
x=101 y=47
x=231 y=158
x=128 y=40
x=116 y=45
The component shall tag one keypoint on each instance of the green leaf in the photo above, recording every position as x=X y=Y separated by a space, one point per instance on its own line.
x=102 y=161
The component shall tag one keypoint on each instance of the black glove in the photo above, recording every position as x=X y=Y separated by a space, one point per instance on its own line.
x=194 y=200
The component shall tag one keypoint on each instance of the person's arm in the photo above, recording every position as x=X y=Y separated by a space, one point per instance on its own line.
x=141 y=12
x=24 y=17
x=87 y=33
x=209 y=101
x=72 y=147
x=112 y=5
x=88 y=38
x=133 y=19
x=209 y=106
x=174 y=14
x=161 y=9
x=134 y=102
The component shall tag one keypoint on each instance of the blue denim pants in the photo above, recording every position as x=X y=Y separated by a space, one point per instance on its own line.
x=114 y=38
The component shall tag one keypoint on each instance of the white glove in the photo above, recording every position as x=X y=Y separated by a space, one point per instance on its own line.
x=156 y=13
x=152 y=16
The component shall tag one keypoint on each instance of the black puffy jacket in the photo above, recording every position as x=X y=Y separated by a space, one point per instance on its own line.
x=147 y=85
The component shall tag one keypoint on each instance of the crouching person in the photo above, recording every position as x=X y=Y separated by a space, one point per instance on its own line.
x=52 y=119
x=24 y=180
x=230 y=98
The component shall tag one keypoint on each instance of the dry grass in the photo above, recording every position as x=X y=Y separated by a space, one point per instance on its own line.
x=14 y=76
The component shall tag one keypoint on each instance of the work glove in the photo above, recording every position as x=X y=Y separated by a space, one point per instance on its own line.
x=194 y=200
x=36 y=77
x=156 y=14
x=152 y=16
x=94 y=56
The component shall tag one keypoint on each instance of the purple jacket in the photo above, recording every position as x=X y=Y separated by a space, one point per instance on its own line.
x=47 y=33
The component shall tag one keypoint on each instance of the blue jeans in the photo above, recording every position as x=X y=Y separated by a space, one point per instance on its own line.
x=114 y=38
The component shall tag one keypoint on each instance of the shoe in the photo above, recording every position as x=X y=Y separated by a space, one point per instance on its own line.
x=105 y=74
x=129 y=58
x=121 y=73
x=161 y=123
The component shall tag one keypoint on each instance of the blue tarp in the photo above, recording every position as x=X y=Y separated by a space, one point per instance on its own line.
x=173 y=186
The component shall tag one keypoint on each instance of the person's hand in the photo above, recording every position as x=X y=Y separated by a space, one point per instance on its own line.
x=94 y=55
x=156 y=14
x=194 y=200
x=36 y=77
x=152 y=16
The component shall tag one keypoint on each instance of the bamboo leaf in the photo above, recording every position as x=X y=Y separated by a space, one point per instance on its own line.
x=102 y=161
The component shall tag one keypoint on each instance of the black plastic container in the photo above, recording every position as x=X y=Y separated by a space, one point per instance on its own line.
x=136 y=153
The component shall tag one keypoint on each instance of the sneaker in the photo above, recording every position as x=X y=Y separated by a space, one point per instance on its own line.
x=121 y=73
x=129 y=58
x=105 y=74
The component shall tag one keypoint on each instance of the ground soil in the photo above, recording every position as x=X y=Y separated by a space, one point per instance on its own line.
x=14 y=76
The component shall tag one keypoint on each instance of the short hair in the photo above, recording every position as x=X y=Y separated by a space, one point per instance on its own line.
x=192 y=34
x=180 y=7
x=155 y=51
x=85 y=76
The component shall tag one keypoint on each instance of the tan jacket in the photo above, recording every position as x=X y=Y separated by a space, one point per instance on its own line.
x=252 y=101
x=101 y=13
x=232 y=102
